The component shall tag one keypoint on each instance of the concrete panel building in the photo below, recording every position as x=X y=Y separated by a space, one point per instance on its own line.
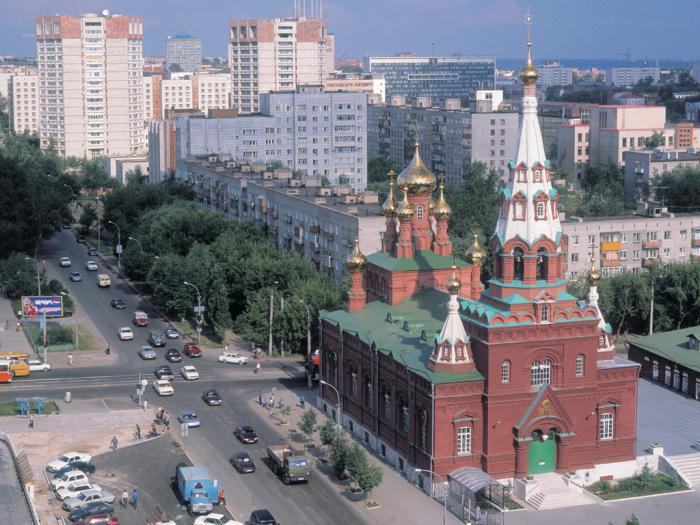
x=631 y=76
x=554 y=74
x=300 y=215
x=642 y=167
x=183 y=52
x=23 y=103
x=276 y=55
x=369 y=84
x=121 y=168
x=436 y=77
x=91 y=84
x=573 y=150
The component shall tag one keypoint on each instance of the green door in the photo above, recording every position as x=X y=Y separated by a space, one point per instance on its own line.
x=541 y=456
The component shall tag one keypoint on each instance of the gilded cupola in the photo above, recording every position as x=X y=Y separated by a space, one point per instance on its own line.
x=453 y=284
x=475 y=255
x=389 y=206
x=417 y=178
x=404 y=211
x=357 y=261
x=442 y=210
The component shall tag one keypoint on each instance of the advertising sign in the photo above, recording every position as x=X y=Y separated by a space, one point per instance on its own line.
x=40 y=305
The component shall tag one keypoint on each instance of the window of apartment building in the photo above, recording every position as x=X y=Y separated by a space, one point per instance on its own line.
x=651 y=254
x=667 y=235
x=635 y=255
x=464 y=441
x=637 y=237
x=574 y=257
x=624 y=142
x=607 y=421
x=623 y=255
x=684 y=234
x=574 y=240
x=624 y=237
x=591 y=239
x=580 y=137
x=651 y=236
x=682 y=251
x=579 y=150
x=667 y=252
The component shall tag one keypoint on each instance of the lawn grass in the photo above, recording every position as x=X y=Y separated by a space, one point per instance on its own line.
x=10 y=408
x=510 y=504
x=642 y=485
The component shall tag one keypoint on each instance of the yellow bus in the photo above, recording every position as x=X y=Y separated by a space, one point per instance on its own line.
x=19 y=362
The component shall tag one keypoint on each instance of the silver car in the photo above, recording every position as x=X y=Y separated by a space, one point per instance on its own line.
x=87 y=497
x=147 y=352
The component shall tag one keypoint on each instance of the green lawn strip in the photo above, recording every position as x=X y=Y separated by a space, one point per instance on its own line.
x=633 y=487
x=11 y=408
x=511 y=504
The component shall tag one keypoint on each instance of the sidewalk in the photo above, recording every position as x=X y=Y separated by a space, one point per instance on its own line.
x=400 y=501
x=10 y=338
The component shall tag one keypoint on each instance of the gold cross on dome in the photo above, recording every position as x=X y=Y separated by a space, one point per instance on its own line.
x=592 y=246
x=528 y=23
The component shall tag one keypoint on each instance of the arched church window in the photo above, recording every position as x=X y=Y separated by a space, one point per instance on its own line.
x=387 y=403
x=545 y=314
x=518 y=263
x=423 y=427
x=505 y=371
x=541 y=264
x=538 y=176
x=419 y=213
x=580 y=362
x=541 y=210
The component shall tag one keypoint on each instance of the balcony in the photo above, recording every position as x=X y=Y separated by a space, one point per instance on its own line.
x=611 y=263
x=648 y=262
x=695 y=243
x=647 y=245
x=611 y=246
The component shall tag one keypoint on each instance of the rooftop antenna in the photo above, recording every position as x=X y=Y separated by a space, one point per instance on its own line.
x=320 y=9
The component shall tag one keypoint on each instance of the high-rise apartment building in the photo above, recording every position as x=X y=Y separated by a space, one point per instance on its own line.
x=91 y=84
x=184 y=53
x=435 y=77
x=276 y=55
x=630 y=76
x=23 y=103
x=554 y=74
x=202 y=92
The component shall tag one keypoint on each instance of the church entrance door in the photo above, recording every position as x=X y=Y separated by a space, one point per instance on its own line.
x=542 y=453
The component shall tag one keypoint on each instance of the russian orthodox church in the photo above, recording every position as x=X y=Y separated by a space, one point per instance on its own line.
x=437 y=372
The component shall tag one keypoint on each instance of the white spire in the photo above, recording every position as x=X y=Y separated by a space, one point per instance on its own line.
x=453 y=330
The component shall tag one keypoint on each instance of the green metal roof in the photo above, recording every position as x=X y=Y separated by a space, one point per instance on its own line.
x=421 y=260
x=519 y=284
x=672 y=346
x=425 y=312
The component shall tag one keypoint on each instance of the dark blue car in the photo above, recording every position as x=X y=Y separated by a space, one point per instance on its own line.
x=90 y=509
x=86 y=467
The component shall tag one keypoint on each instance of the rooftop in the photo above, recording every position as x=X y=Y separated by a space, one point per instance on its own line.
x=421 y=260
x=672 y=346
x=404 y=331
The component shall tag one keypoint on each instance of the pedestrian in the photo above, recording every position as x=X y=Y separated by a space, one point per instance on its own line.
x=145 y=405
x=124 y=498
x=264 y=400
x=160 y=413
x=138 y=432
x=108 y=349
x=226 y=348
x=260 y=397
x=135 y=498
x=258 y=367
x=31 y=421
x=114 y=442
x=154 y=433
x=70 y=359
x=302 y=402
x=18 y=326
x=67 y=398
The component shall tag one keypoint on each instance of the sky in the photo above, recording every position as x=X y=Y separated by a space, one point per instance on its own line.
x=602 y=29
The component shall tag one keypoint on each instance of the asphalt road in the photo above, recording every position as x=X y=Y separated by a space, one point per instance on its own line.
x=213 y=443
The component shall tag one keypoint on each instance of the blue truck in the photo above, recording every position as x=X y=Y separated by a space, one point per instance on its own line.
x=196 y=489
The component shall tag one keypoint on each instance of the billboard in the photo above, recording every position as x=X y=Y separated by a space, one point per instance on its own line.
x=40 y=305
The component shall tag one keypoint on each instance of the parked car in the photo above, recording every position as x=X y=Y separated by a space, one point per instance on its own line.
x=66 y=478
x=262 y=517
x=215 y=519
x=96 y=513
x=212 y=398
x=243 y=463
x=88 y=496
x=233 y=357
x=85 y=466
x=80 y=239
x=91 y=266
x=147 y=352
x=118 y=303
x=65 y=262
x=246 y=434
x=73 y=490
x=125 y=334
x=156 y=338
x=190 y=418
x=192 y=350
x=164 y=372
x=163 y=387
x=75 y=277
x=66 y=226
x=173 y=355
x=172 y=333
x=92 y=251
x=189 y=372
x=140 y=318
x=37 y=365
x=65 y=459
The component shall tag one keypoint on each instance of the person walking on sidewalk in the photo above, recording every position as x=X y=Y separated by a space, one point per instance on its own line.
x=135 y=499
x=138 y=431
x=31 y=421
x=124 y=498
x=70 y=359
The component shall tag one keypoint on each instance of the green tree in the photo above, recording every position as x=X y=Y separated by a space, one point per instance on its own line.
x=632 y=520
x=356 y=461
x=136 y=263
x=18 y=275
x=370 y=478
x=339 y=453
x=327 y=432
x=624 y=301
x=681 y=188
x=378 y=167
x=87 y=218
x=656 y=140
x=604 y=191
x=218 y=311
x=308 y=423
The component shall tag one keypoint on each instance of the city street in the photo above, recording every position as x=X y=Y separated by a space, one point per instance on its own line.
x=213 y=443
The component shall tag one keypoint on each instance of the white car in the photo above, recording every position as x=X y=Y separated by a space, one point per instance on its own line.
x=73 y=490
x=67 y=478
x=233 y=357
x=215 y=519
x=68 y=457
x=37 y=365
x=65 y=262
x=189 y=372
x=125 y=333
x=91 y=265
x=163 y=387
x=86 y=497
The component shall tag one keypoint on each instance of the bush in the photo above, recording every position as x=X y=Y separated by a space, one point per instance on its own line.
x=339 y=455
x=55 y=335
x=327 y=432
x=356 y=461
x=308 y=422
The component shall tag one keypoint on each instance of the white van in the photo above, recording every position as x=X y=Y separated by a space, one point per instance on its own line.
x=103 y=280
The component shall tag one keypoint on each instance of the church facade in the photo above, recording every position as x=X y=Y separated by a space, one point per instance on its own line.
x=436 y=371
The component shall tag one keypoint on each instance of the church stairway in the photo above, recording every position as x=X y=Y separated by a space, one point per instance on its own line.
x=689 y=466
x=554 y=493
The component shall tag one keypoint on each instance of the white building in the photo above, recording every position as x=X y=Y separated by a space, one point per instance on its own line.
x=276 y=55
x=630 y=76
x=23 y=103
x=554 y=74
x=91 y=84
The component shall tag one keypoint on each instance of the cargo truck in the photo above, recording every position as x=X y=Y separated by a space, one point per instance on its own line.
x=195 y=488
x=290 y=465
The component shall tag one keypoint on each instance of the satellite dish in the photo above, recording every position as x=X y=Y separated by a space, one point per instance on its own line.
x=105 y=12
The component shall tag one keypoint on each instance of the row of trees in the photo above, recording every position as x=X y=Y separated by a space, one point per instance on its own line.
x=625 y=299
x=681 y=188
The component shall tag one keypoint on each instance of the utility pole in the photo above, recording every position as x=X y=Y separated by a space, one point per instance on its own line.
x=272 y=307
x=199 y=310
x=308 y=345
x=651 y=308
x=119 y=244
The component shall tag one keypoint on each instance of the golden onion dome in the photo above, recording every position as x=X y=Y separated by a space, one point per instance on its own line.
x=594 y=276
x=417 y=178
x=357 y=261
x=442 y=209
x=404 y=211
x=453 y=284
x=528 y=75
x=389 y=206
x=475 y=255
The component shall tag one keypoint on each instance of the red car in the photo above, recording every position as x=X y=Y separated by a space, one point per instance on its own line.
x=100 y=519
x=192 y=350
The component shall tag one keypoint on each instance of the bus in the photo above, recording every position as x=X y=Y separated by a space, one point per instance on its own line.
x=5 y=374
x=19 y=362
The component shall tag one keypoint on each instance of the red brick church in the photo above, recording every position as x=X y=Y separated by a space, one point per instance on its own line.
x=435 y=371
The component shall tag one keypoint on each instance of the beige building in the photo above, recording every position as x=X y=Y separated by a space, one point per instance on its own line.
x=185 y=91
x=91 y=84
x=23 y=103
x=616 y=129
x=642 y=167
x=276 y=55
x=631 y=242
x=369 y=84
x=7 y=71
x=298 y=214
x=573 y=150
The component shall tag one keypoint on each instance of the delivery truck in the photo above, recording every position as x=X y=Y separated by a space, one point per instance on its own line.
x=196 y=489
x=289 y=464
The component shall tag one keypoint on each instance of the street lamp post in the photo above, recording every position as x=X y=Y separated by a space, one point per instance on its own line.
x=338 y=405
x=444 y=511
x=198 y=310
x=119 y=243
x=308 y=344
x=272 y=308
x=139 y=243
